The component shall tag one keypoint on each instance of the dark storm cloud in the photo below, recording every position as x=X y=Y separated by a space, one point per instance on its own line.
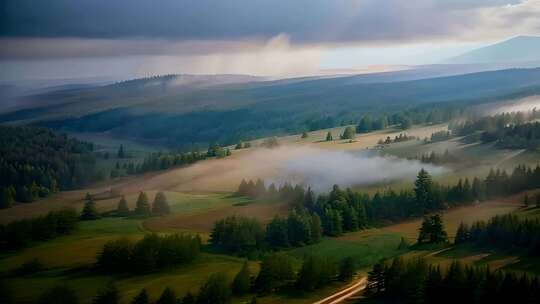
x=304 y=21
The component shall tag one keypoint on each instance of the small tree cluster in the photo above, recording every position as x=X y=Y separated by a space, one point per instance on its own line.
x=159 y=207
x=21 y=233
x=243 y=235
x=432 y=230
x=402 y=137
x=151 y=253
x=348 y=133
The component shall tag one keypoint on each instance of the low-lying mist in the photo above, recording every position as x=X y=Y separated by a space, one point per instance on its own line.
x=519 y=105
x=321 y=169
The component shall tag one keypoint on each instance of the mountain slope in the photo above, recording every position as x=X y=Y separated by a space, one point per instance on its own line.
x=514 y=50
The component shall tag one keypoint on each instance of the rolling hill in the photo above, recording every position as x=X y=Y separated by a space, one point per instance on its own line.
x=180 y=114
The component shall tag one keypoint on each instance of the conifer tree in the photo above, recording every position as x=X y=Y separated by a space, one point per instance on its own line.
x=89 y=211
x=189 y=298
x=160 y=206
x=316 y=228
x=348 y=133
x=216 y=290
x=122 y=209
x=242 y=281
x=462 y=234
x=167 y=297
x=141 y=298
x=347 y=269
x=121 y=153
x=329 y=136
x=142 y=207
x=107 y=295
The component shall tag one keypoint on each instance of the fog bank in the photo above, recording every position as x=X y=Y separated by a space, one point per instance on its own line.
x=321 y=169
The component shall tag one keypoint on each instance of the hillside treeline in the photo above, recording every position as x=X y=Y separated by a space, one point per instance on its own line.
x=506 y=130
x=247 y=236
x=21 y=233
x=165 y=160
x=345 y=210
x=35 y=162
x=151 y=253
x=415 y=281
x=503 y=231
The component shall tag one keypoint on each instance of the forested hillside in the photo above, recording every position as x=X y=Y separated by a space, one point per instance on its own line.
x=35 y=162
x=155 y=109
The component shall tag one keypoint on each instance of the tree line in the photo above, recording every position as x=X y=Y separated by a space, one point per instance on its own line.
x=503 y=231
x=165 y=160
x=402 y=137
x=276 y=273
x=507 y=130
x=35 y=162
x=151 y=253
x=416 y=281
x=143 y=208
x=345 y=210
x=21 y=233
x=246 y=236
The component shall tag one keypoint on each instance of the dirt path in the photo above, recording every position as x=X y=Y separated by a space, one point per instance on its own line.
x=346 y=293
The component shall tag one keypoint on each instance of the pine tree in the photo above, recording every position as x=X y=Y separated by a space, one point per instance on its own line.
x=215 y=291
x=242 y=281
x=329 y=136
x=141 y=298
x=347 y=269
x=108 y=295
x=316 y=228
x=160 y=206
x=348 y=133
x=142 y=206
x=121 y=153
x=7 y=197
x=167 y=297
x=189 y=298
x=122 y=209
x=462 y=234
x=89 y=211
x=432 y=230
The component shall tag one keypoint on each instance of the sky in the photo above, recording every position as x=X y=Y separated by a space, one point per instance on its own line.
x=134 y=38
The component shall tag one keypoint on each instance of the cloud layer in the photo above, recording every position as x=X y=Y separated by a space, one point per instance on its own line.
x=304 y=21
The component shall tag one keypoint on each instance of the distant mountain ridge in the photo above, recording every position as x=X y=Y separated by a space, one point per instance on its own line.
x=514 y=50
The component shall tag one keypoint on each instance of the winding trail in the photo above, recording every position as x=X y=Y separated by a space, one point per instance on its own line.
x=346 y=293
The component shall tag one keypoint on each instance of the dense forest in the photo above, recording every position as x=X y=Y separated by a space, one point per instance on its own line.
x=507 y=130
x=35 y=162
x=415 y=281
x=503 y=231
